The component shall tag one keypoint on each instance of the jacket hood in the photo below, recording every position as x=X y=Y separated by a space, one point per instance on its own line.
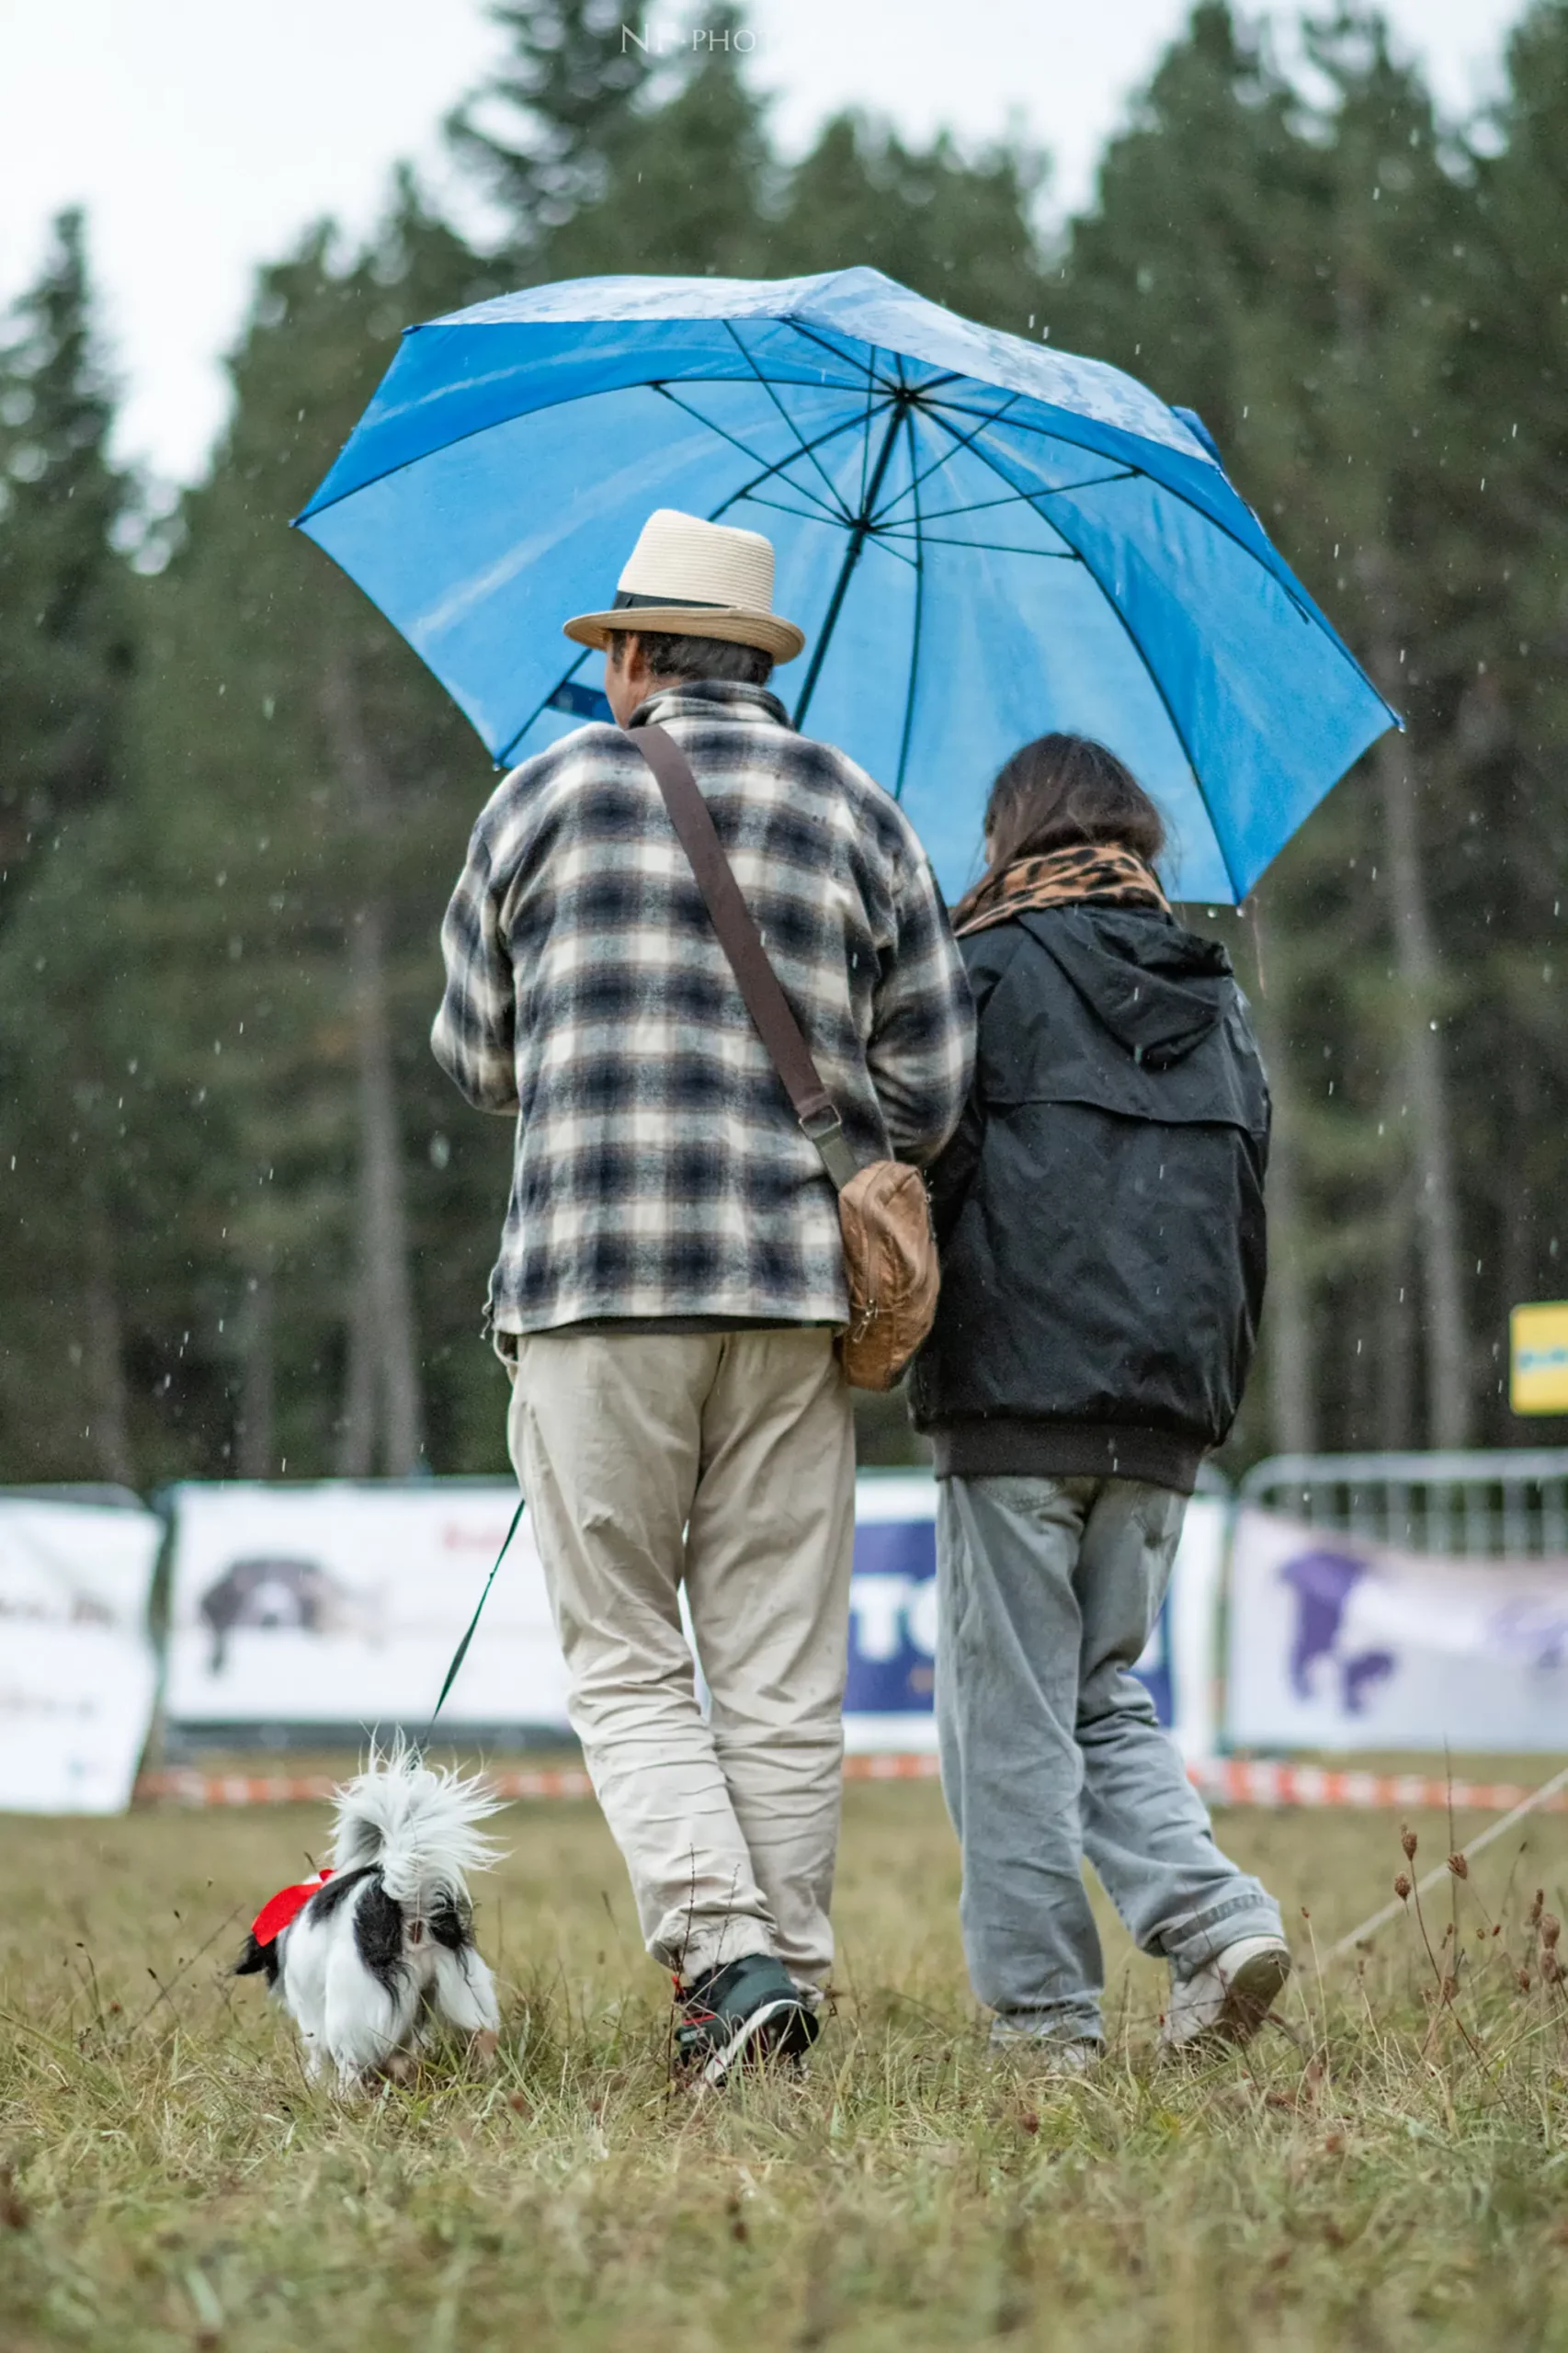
x=1157 y=988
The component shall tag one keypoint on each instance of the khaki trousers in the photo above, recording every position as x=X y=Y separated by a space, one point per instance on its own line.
x=724 y=1461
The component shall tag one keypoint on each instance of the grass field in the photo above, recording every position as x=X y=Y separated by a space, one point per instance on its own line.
x=1388 y=2169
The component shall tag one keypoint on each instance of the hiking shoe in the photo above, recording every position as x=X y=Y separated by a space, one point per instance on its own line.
x=748 y=2011
x=1227 y=2000
x=1052 y=2054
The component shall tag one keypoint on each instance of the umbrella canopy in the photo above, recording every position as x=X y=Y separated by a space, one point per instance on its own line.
x=983 y=539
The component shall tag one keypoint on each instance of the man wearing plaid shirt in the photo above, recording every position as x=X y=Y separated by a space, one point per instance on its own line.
x=671 y=1274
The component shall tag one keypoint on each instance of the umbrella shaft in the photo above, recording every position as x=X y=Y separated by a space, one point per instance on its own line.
x=862 y=524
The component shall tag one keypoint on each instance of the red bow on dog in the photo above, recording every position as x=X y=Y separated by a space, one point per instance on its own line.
x=280 y=1909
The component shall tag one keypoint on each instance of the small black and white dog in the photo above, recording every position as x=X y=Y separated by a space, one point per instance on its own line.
x=364 y=1955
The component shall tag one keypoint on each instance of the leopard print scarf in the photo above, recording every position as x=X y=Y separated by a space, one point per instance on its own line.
x=1103 y=871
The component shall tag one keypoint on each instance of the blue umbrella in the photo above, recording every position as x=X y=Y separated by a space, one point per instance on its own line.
x=981 y=538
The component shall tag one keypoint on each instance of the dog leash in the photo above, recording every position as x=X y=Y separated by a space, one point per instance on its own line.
x=462 y=1652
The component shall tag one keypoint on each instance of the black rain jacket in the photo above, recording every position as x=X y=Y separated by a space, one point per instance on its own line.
x=1100 y=1208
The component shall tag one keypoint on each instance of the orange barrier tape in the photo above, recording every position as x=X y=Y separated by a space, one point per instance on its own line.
x=1236 y=1780
x=1224 y=1780
x=185 y=1786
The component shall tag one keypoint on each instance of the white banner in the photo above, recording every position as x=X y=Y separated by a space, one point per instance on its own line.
x=339 y=1605
x=342 y=1604
x=77 y=1674
x=1340 y=1644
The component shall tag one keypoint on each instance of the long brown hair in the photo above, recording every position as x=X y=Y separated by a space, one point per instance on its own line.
x=1061 y=791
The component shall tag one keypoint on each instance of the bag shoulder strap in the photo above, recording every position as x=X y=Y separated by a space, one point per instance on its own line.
x=742 y=943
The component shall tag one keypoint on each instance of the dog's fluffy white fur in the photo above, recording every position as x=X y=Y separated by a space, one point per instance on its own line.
x=386 y=1944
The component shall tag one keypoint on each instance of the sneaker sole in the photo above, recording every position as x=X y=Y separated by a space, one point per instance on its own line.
x=1252 y=1993
x=781 y=2030
x=1249 y=1997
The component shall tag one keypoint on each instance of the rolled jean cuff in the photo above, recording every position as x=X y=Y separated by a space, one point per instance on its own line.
x=1056 y=2022
x=1191 y=1944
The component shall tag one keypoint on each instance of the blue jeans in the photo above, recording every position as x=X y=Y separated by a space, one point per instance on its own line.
x=1047 y=1592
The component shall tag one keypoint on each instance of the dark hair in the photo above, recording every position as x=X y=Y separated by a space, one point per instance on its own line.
x=1063 y=789
x=672 y=656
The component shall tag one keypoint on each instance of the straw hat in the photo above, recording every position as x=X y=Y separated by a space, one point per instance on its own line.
x=695 y=579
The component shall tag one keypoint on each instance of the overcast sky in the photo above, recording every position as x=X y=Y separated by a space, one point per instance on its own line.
x=202 y=134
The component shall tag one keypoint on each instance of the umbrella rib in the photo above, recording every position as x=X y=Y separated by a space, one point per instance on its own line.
x=1062 y=490
x=919 y=616
x=992 y=416
x=865 y=416
x=1070 y=489
x=991 y=506
x=894 y=390
x=969 y=507
x=889 y=547
x=1155 y=680
x=955 y=514
x=805 y=451
x=768 y=472
x=981 y=547
x=540 y=706
x=777 y=506
x=809 y=335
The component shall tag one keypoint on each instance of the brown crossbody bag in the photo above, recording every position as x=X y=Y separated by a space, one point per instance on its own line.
x=890 y=1252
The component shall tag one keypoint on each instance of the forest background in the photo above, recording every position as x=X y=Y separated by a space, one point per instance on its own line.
x=244 y=1222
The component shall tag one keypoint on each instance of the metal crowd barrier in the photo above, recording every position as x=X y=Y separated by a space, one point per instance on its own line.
x=1511 y=1504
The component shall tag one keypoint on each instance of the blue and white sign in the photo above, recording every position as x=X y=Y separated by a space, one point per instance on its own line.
x=892 y=1615
x=888 y=1701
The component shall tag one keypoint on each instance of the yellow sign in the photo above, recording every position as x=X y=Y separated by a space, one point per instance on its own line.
x=1540 y=1359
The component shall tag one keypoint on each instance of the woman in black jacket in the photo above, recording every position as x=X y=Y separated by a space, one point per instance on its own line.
x=1100 y=1212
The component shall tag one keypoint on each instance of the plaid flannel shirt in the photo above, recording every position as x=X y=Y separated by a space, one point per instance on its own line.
x=659 y=1169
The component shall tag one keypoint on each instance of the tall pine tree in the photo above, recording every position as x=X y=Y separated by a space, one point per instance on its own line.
x=65 y=637
x=66 y=644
